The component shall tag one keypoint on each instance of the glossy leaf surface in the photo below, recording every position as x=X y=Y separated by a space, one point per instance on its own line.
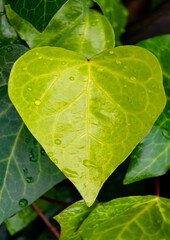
x=7 y=33
x=116 y=14
x=38 y=12
x=70 y=30
x=88 y=115
x=129 y=218
x=152 y=156
x=25 y=170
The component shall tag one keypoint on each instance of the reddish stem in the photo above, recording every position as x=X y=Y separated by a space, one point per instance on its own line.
x=157 y=186
x=55 y=201
x=46 y=221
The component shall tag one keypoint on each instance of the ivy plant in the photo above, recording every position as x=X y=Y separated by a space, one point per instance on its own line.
x=75 y=107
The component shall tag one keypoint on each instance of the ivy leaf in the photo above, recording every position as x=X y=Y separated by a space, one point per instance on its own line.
x=152 y=156
x=69 y=30
x=38 y=12
x=7 y=33
x=88 y=114
x=130 y=218
x=25 y=170
x=116 y=13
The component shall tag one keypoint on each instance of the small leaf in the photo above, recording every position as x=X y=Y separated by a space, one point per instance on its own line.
x=129 y=218
x=88 y=115
x=25 y=170
x=7 y=32
x=70 y=30
x=117 y=14
x=38 y=12
x=152 y=156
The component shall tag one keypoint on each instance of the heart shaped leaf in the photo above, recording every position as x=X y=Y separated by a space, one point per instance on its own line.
x=88 y=114
x=129 y=218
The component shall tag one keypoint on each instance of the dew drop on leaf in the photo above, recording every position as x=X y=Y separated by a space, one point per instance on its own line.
x=37 y=102
x=42 y=152
x=29 y=89
x=25 y=170
x=55 y=160
x=50 y=154
x=133 y=78
x=40 y=57
x=29 y=179
x=63 y=63
x=118 y=61
x=23 y=203
x=71 y=78
x=9 y=49
x=58 y=141
x=70 y=173
x=166 y=133
x=89 y=164
x=111 y=52
x=33 y=157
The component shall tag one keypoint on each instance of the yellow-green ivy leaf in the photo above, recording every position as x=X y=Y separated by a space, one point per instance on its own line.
x=88 y=114
x=128 y=218
x=73 y=30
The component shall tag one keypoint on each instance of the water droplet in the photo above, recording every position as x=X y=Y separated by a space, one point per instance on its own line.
x=63 y=63
x=55 y=160
x=133 y=78
x=50 y=154
x=40 y=57
x=25 y=170
x=29 y=179
x=42 y=152
x=166 y=133
x=118 y=61
x=37 y=53
x=111 y=52
x=9 y=49
x=58 y=141
x=70 y=173
x=23 y=203
x=100 y=69
x=2 y=13
x=29 y=89
x=89 y=164
x=33 y=157
x=37 y=102
x=71 y=78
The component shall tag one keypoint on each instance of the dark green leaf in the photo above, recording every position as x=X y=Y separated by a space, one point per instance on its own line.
x=38 y=12
x=88 y=114
x=116 y=14
x=7 y=33
x=152 y=156
x=128 y=218
x=25 y=170
x=70 y=30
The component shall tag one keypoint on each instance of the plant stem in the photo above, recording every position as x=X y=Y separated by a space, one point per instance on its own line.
x=157 y=186
x=55 y=201
x=46 y=221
